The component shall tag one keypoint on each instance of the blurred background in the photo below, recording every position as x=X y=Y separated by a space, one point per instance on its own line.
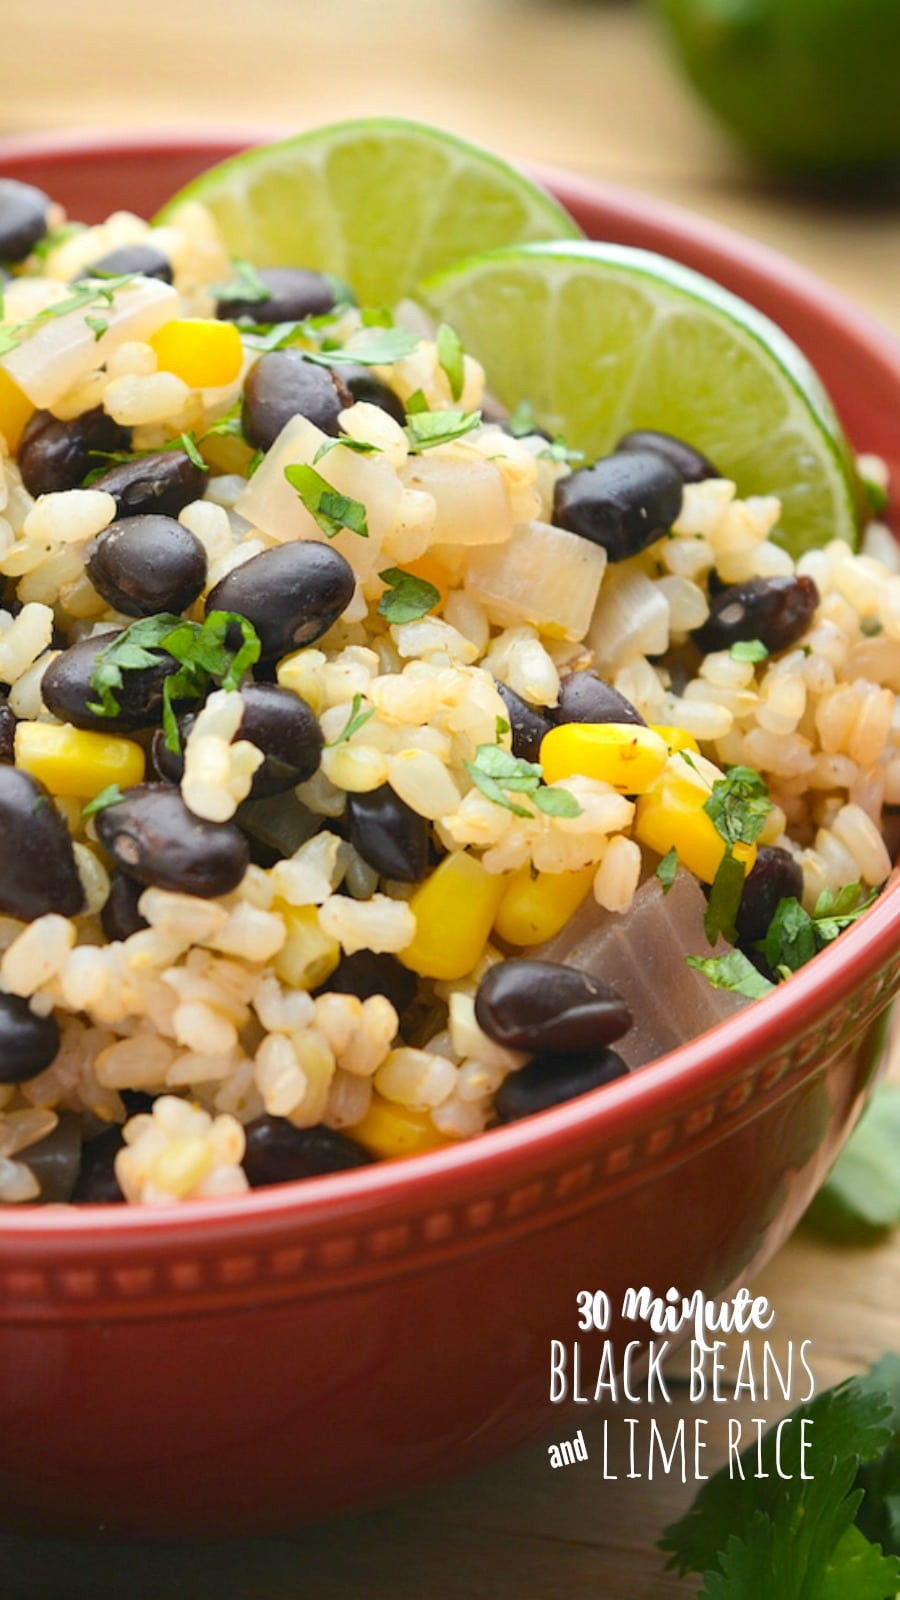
x=591 y=85
x=594 y=86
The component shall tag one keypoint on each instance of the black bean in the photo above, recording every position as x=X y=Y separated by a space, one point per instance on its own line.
x=540 y=1005
x=294 y=293
x=55 y=1159
x=550 y=1079
x=7 y=731
x=284 y=384
x=369 y=972
x=775 y=876
x=277 y=1152
x=528 y=724
x=584 y=697
x=148 y=564
x=278 y=722
x=388 y=834
x=623 y=502
x=68 y=693
x=56 y=455
x=165 y=482
x=23 y=218
x=120 y=917
x=28 y=1043
x=291 y=594
x=97 y=1184
x=777 y=611
x=154 y=838
x=37 y=864
x=362 y=384
x=691 y=466
x=146 y=259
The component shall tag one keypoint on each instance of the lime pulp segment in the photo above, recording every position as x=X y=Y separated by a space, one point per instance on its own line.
x=603 y=338
x=380 y=202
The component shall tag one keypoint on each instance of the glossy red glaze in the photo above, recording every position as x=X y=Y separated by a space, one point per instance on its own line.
x=247 y=1364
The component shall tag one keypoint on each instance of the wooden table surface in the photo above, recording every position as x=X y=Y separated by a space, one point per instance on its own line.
x=581 y=84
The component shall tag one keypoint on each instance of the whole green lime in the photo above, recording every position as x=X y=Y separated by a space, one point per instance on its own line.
x=809 y=84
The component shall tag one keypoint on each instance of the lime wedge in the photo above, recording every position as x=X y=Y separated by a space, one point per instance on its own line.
x=380 y=202
x=601 y=339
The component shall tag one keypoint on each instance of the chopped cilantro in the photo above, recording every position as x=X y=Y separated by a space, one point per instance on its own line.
x=739 y=805
x=245 y=285
x=794 y=935
x=229 y=425
x=416 y=404
x=330 y=510
x=377 y=317
x=450 y=358
x=521 y=422
x=426 y=429
x=82 y=296
x=724 y=899
x=56 y=236
x=667 y=869
x=256 y=461
x=748 y=650
x=732 y=971
x=189 y=446
x=501 y=726
x=97 y=325
x=360 y=447
x=407 y=598
x=496 y=772
x=754 y=1532
x=383 y=349
x=558 y=450
x=201 y=650
x=356 y=720
x=110 y=796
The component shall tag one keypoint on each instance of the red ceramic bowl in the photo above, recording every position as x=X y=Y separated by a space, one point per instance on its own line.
x=240 y=1365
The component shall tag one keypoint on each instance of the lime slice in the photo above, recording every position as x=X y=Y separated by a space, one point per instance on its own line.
x=602 y=338
x=380 y=202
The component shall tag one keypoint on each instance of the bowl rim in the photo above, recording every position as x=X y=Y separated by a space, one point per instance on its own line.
x=663 y=1087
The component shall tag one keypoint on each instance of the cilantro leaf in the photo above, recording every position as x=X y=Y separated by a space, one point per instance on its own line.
x=557 y=803
x=667 y=869
x=408 y=597
x=426 y=429
x=189 y=445
x=724 y=899
x=739 y=805
x=501 y=726
x=450 y=358
x=416 y=404
x=356 y=720
x=230 y=424
x=98 y=326
x=110 y=796
x=521 y=422
x=558 y=450
x=879 y=1515
x=799 y=1533
x=794 y=935
x=861 y=1195
x=733 y=971
x=330 y=510
x=360 y=447
x=245 y=285
x=383 y=349
x=748 y=650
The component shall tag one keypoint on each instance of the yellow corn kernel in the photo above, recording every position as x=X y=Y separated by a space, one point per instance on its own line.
x=308 y=955
x=203 y=352
x=626 y=756
x=15 y=410
x=535 y=908
x=676 y=738
x=454 y=910
x=388 y=1130
x=672 y=815
x=73 y=761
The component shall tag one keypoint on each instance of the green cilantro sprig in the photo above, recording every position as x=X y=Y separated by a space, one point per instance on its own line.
x=749 y=650
x=408 y=598
x=815 y=1537
x=667 y=869
x=246 y=284
x=358 y=447
x=427 y=429
x=794 y=936
x=738 y=806
x=498 y=774
x=83 y=296
x=200 y=648
x=385 y=347
x=450 y=358
x=329 y=510
x=734 y=972
x=356 y=720
x=110 y=796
